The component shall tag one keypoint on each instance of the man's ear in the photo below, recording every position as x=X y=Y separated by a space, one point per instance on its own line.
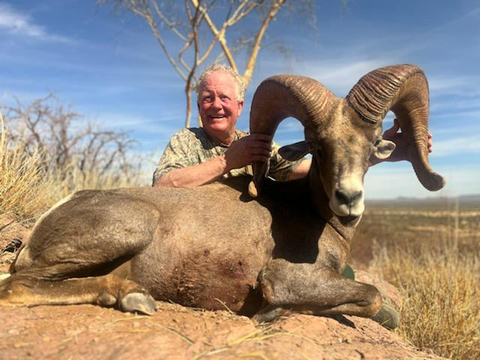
x=384 y=149
x=240 y=107
x=295 y=151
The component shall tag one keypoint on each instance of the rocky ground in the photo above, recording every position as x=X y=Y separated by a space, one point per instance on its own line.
x=176 y=332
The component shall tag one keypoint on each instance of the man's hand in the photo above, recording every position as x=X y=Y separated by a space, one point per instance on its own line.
x=250 y=148
x=400 y=152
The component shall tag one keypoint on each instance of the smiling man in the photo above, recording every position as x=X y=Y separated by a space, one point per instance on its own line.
x=199 y=156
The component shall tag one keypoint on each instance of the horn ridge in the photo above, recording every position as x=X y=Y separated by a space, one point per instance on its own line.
x=374 y=93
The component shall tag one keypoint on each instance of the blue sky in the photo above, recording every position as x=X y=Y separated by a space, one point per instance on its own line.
x=111 y=69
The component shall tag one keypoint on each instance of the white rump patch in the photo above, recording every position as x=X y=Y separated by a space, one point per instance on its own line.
x=64 y=200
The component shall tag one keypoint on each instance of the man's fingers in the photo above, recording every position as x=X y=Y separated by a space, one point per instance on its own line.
x=260 y=145
x=429 y=142
x=260 y=158
x=260 y=137
x=389 y=133
x=260 y=151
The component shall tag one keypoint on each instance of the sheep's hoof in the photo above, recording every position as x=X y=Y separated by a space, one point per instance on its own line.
x=138 y=303
x=387 y=317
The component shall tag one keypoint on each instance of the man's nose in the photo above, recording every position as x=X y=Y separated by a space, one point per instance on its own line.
x=217 y=104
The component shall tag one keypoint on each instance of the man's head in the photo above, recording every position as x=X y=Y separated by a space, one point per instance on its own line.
x=220 y=92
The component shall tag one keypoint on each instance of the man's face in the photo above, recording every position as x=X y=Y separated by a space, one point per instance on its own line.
x=218 y=106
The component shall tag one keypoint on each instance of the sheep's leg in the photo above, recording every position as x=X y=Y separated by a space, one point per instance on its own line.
x=26 y=288
x=308 y=289
x=79 y=253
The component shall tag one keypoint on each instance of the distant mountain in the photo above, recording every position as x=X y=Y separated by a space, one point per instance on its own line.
x=471 y=198
x=468 y=198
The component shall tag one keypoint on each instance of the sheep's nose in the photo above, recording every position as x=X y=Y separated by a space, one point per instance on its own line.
x=348 y=198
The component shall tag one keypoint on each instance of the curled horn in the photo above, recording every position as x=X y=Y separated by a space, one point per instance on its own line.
x=282 y=96
x=404 y=90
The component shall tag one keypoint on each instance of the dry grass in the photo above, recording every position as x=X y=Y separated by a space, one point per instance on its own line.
x=28 y=187
x=22 y=181
x=441 y=288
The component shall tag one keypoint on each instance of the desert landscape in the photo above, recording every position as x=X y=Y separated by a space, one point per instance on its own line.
x=98 y=94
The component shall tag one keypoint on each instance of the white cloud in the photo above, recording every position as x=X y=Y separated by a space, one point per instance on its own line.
x=340 y=75
x=454 y=85
x=386 y=181
x=442 y=84
x=474 y=12
x=290 y=125
x=463 y=107
x=17 y=23
x=136 y=122
x=458 y=145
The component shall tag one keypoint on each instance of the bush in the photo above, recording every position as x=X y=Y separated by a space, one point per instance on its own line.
x=441 y=288
x=44 y=160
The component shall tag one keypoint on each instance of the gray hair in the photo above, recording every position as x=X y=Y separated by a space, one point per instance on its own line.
x=240 y=85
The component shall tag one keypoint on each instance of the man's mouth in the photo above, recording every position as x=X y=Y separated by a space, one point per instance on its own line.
x=217 y=116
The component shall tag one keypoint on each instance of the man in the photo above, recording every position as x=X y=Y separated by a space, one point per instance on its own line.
x=200 y=156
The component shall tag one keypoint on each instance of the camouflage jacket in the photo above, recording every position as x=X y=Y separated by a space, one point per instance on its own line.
x=193 y=146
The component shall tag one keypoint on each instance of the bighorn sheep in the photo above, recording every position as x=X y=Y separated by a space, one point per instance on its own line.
x=214 y=246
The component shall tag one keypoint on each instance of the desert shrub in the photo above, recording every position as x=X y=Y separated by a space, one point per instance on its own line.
x=44 y=156
x=441 y=287
x=22 y=181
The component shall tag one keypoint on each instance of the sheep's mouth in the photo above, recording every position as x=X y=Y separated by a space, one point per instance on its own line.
x=350 y=220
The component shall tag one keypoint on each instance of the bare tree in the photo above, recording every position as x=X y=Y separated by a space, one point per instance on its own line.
x=48 y=128
x=201 y=26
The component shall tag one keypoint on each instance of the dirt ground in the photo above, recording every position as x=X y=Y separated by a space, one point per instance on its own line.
x=176 y=332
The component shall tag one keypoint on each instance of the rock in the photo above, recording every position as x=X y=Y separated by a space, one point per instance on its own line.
x=176 y=332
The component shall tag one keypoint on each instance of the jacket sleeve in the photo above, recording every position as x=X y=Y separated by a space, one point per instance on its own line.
x=179 y=153
x=281 y=169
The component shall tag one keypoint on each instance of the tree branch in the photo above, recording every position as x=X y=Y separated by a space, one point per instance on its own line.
x=219 y=34
x=153 y=26
x=170 y=24
x=276 y=6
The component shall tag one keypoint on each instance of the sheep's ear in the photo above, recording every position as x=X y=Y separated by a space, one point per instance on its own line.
x=383 y=149
x=295 y=151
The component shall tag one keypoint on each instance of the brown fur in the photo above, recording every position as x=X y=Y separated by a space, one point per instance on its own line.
x=203 y=247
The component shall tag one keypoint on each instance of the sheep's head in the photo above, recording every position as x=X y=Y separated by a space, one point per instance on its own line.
x=342 y=134
x=341 y=148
